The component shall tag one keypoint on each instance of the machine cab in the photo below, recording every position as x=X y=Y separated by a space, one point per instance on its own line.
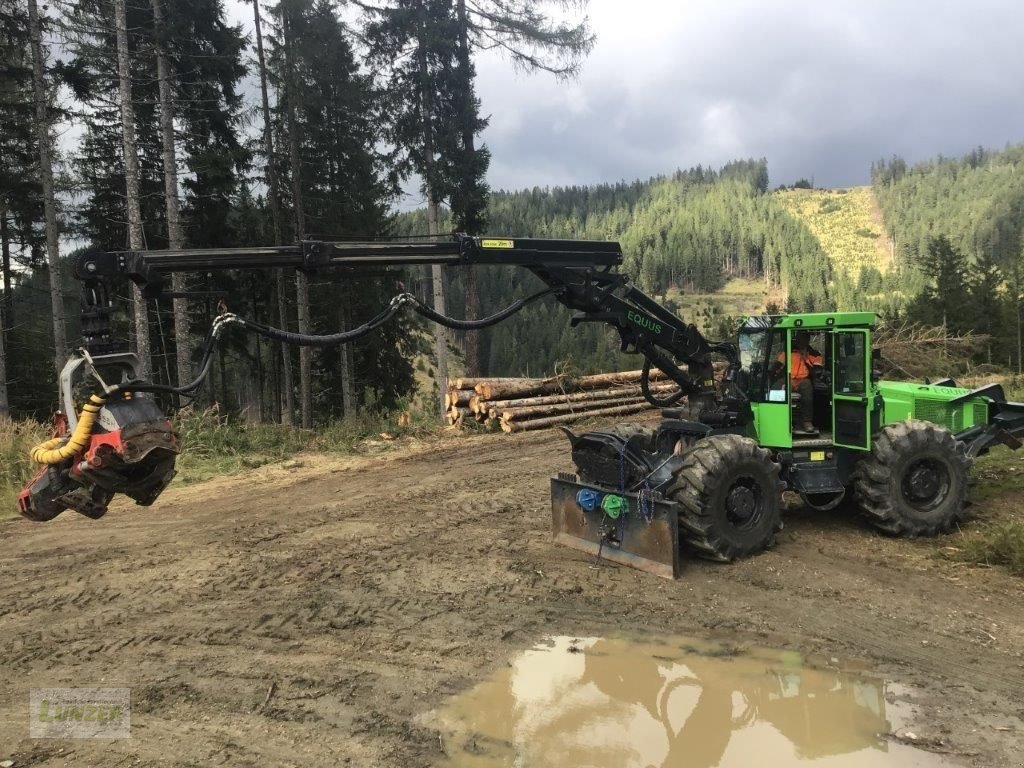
x=808 y=379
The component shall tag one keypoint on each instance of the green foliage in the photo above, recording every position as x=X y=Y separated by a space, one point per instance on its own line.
x=17 y=438
x=689 y=233
x=844 y=224
x=215 y=445
x=999 y=543
x=975 y=201
x=944 y=301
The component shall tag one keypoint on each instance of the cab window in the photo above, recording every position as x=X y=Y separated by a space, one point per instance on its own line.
x=851 y=364
x=760 y=376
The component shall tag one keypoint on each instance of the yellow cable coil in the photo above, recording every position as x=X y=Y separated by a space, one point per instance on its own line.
x=52 y=452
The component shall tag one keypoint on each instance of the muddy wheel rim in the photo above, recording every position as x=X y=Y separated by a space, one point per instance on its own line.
x=744 y=503
x=925 y=484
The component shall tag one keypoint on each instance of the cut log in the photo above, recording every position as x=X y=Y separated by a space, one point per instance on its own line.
x=554 y=409
x=510 y=382
x=465 y=383
x=506 y=389
x=459 y=397
x=630 y=390
x=569 y=418
x=616 y=378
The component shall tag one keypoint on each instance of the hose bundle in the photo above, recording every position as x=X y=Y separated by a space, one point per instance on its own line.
x=56 y=450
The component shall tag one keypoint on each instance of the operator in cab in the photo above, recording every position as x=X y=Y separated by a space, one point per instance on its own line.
x=802 y=359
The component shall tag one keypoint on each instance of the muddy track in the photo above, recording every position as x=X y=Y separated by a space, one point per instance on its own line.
x=307 y=614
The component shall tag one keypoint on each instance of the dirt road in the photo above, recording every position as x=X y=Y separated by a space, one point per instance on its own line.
x=307 y=613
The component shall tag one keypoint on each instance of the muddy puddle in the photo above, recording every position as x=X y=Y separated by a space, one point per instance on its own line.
x=614 y=703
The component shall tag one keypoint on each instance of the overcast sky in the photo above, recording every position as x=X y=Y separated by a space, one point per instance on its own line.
x=821 y=89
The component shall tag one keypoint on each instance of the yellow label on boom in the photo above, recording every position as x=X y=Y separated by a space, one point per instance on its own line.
x=497 y=244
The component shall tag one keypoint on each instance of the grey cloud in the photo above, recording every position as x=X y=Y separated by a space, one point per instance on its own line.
x=821 y=90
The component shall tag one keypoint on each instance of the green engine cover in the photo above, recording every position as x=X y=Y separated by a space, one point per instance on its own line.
x=925 y=402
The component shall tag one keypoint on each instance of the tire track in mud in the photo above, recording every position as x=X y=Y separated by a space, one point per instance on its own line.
x=368 y=592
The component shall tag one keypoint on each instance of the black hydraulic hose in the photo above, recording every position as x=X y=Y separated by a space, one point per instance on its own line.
x=185 y=389
x=475 y=325
x=645 y=389
x=327 y=340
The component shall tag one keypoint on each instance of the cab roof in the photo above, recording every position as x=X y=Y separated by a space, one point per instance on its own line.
x=812 y=320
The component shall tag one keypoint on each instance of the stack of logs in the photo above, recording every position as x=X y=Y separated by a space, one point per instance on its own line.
x=518 y=405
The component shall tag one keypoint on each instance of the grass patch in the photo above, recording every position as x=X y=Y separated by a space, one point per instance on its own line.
x=213 y=445
x=996 y=473
x=17 y=438
x=999 y=543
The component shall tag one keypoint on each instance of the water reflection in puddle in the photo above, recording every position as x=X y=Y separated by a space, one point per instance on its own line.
x=611 y=703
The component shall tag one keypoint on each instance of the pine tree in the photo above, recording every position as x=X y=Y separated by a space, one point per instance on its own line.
x=44 y=147
x=945 y=300
x=285 y=405
x=984 y=296
x=169 y=159
x=340 y=185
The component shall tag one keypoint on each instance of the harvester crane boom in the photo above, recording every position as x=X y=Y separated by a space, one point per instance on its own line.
x=577 y=272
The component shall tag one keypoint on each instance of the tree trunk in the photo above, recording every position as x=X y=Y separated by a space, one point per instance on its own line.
x=60 y=351
x=287 y=408
x=131 y=172
x=1020 y=340
x=345 y=352
x=301 y=279
x=175 y=236
x=5 y=248
x=261 y=382
x=472 y=338
x=433 y=217
x=287 y=383
x=5 y=410
x=5 y=265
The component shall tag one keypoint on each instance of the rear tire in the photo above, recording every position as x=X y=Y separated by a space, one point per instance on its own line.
x=914 y=483
x=728 y=492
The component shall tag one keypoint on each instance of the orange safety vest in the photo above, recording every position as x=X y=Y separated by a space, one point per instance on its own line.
x=800 y=364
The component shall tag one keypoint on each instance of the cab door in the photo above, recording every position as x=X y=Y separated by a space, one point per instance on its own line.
x=851 y=390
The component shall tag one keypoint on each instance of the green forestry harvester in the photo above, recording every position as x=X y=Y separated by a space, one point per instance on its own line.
x=706 y=479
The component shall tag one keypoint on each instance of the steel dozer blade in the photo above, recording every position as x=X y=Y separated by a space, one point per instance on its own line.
x=619 y=527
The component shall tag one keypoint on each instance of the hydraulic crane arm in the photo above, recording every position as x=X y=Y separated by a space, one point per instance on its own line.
x=577 y=273
x=122 y=443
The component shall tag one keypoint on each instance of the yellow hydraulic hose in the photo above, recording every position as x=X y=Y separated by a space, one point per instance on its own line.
x=52 y=452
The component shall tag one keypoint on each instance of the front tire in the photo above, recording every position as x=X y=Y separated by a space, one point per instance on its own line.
x=914 y=483
x=728 y=492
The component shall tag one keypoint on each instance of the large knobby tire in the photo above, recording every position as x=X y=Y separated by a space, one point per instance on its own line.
x=728 y=491
x=914 y=483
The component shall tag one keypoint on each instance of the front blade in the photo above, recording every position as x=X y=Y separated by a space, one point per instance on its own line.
x=645 y=537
